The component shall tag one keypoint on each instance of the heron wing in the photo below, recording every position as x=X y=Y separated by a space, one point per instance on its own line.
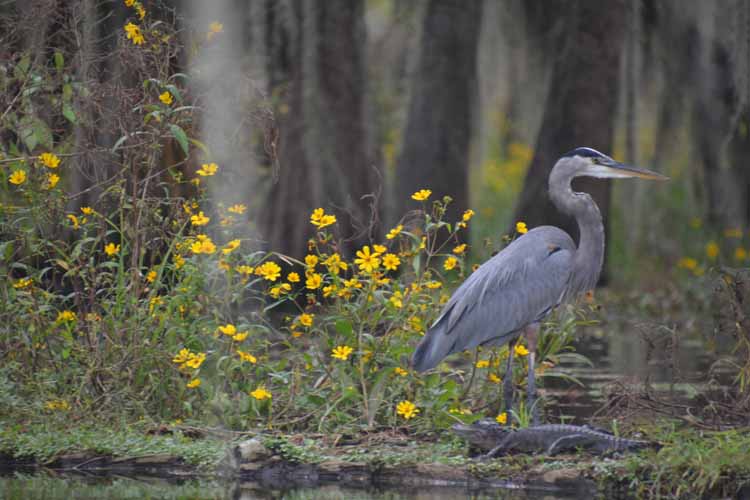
x=517 y=287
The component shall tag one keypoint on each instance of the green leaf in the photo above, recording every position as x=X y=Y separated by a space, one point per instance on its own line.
x=34 y=131
x=344 y=327
x=67 y=92
x=67 y=111
x=181 y=137
x=22 y=67
x=6 y=250
x=201 y=146
x=59 y=61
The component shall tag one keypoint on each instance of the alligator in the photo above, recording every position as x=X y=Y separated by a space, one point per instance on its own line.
x=486 y=434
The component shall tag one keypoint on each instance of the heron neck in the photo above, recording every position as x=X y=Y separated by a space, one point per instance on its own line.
x=589 y=257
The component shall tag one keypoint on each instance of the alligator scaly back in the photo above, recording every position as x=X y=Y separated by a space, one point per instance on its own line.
x=550 y=439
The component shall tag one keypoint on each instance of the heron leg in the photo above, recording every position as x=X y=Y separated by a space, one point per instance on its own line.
x=508 y=380
x=531 y=332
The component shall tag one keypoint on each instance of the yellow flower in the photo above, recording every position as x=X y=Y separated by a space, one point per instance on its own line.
x=521 y=350
x=494 y=378
x=231 y=247
x=396 y=299
x=166 y=98
x=240 y=337
x=421 y=195
x=311 y=261
x=246 y=270
x=22 y=283
x=502 y=419
x=712 y=250
x=207 y=169
x=199 y=220
x=483 y=363
x=740 y=254
x=305 y=319
x=335 y=264
x=269 y=270
x=261 y=393
x=521 y=228
x=151 y=276
x=687 y=263
x=319 y=218
x=154 y=302
x=367 y=262
x=111 y=249
x=196 y=360
x=400 y=371
x=733 y=232
x=87 y=210
x=394 y=232
x=391 y=261
x=468 y=214
x=214 y=28
x=416 y=324
x=239 y=209
x=432 y=285
x=203 y=244
x=65 y=316
x=59 y=404
x=342 y=352
x=293 y=277
x=328 y=290
x=140 y=10
x=460 y=249
x=134 y=34
x=193 y=383
x=49 y=160
x=74 y=221
x=246 y=356
x=17 y=177
x=382 y=281
x=181 y=357
x=407 y=409
x=228 y=329
x=313 y=281
x=352 y=283
x=178 y=260
x=379 y=249
x=52 y=180
x=276 y=291
x=129 y=3
x=450 y=263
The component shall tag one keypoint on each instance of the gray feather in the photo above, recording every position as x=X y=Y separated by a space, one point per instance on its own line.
x=517 y=287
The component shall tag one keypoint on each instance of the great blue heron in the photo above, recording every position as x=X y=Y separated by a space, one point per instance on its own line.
x=515 y=290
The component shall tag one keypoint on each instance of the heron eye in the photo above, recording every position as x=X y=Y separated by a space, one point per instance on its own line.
x=595 y=161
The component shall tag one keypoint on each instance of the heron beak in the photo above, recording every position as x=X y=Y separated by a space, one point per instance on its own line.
x=609 y=168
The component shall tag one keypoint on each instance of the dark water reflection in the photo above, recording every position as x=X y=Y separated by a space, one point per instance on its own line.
x=59 y=487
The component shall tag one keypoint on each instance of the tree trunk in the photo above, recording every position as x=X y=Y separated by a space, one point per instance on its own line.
x=435 y=151
x=580 y=107
x=316 y=70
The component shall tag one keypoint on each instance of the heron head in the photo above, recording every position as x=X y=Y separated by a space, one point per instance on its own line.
x=591 y=163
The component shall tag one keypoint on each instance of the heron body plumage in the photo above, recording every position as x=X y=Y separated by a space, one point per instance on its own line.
x=516 y=289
